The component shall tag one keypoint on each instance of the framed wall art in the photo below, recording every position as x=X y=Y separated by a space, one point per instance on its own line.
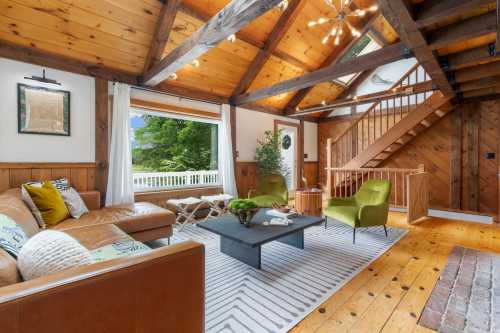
x=43 y=111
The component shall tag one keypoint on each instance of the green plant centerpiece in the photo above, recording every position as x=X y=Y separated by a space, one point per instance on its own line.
x=244 y=210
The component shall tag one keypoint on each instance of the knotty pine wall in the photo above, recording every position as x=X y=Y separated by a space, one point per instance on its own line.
x=479 y=134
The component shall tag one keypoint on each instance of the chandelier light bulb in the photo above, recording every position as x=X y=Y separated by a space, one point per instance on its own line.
x=323 y=102
x=337 y=40
x=334 y=31
x=322 y=20
x=341 y=31
x=373 y=8
x=346 y=2
x=361 y=12
x=311 y=24
x=325 y=39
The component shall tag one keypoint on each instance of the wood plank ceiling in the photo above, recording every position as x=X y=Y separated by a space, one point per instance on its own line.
x=118 y=34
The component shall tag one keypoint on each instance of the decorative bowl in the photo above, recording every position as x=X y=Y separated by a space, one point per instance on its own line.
x=244 y=210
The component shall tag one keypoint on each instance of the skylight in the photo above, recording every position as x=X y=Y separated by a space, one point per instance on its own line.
x=365 y=45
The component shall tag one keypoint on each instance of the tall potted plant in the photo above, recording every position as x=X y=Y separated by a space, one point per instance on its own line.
x=268 y=155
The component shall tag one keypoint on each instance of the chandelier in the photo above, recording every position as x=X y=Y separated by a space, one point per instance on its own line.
x=340 y=21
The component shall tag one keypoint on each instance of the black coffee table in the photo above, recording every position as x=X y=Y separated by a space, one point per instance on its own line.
x=244 y=243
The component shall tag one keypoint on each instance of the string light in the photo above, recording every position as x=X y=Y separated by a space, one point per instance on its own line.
x=340 y=20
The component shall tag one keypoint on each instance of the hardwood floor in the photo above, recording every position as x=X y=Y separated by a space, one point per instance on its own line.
x=390 y=294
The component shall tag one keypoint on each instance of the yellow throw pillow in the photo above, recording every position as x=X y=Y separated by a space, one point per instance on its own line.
x=49 y=202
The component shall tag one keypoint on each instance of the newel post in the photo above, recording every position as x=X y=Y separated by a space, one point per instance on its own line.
x=328 y=168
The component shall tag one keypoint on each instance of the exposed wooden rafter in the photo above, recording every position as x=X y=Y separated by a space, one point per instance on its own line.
x=375 y=59
x=432 y=12
x=162 y=32
x=34 y=56
x=463 y=30
x=245 y=37
x=469 y=58
x=285 y=21
x=399 y=15
x=228 y=21
x=333 y=58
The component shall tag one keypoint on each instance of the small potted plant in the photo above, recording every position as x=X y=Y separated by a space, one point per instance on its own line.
x=244 y=210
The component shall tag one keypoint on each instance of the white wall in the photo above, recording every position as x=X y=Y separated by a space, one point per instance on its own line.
x=251 y=126
x=14 y=147
x=311 y=141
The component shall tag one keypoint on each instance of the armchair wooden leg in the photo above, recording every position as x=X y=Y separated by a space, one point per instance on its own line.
x=354 y=235
x=385 y=229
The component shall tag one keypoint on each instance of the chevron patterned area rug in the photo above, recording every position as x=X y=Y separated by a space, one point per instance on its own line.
x=291 y=283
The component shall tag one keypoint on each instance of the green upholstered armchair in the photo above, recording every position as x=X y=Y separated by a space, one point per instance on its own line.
x=271 y=189
x=369 y=207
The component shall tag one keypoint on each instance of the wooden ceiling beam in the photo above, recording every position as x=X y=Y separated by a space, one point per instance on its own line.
x=401 y=19
x=468 y=58
x=190 y=93
x=245 y=37
x=461 y=31
x=374 y=59
x=486 y=82
x=477 y=72
x=228 y=21
x=162 y=33
x=481 y=92
x=370 y=98
x=45 y=59
x=333 y=58
x=432 y=12
x=286 y=19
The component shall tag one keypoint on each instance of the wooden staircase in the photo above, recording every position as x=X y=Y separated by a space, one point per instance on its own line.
x=388 y=124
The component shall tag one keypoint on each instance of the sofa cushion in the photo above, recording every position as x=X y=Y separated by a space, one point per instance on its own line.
x=98 y=235
x=8 y=270
x=122 y=248
x=132 y=218
x=12 y=205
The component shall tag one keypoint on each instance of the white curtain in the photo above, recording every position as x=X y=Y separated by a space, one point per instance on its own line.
x=120 y=188
x=226 y=163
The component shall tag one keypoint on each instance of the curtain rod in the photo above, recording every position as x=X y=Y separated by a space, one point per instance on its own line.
x=174 y=95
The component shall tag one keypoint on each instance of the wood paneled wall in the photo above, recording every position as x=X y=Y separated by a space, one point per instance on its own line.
x=453 y=151
x=81 y=175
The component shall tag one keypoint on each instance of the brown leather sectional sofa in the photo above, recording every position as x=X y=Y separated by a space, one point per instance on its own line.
x=159 y=291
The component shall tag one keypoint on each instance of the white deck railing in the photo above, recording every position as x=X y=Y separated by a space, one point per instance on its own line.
x=150 y=181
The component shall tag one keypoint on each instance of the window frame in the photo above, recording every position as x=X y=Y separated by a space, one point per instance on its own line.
x=180 y=116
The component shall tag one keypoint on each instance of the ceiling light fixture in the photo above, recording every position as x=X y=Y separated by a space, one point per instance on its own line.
x=196 y=63
x=340 y=21
x=231 y=38
x=283 y=5
x=172 y=76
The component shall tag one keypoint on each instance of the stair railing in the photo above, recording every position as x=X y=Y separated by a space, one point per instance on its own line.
x=346 y=182
x=380 y=117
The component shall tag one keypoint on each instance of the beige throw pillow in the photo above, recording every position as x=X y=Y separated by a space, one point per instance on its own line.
x=74 y=202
